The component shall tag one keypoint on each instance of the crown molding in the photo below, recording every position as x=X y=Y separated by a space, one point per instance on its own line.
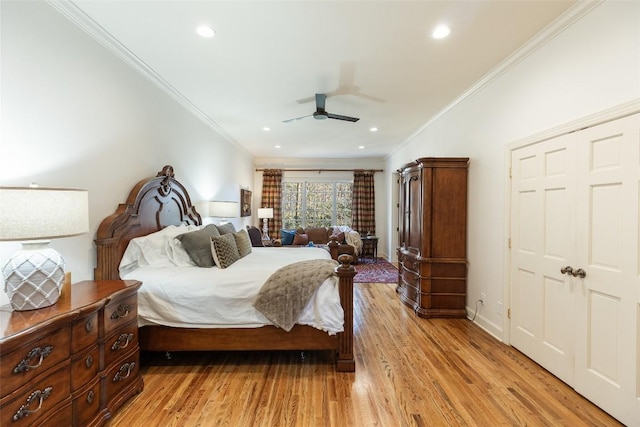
x=78 y=17
x=559 y=25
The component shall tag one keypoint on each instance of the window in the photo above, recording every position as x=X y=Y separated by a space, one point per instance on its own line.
x=315 y=204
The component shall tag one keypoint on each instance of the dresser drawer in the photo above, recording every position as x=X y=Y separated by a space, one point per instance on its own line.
x=120 y=376
x=86 y=403
x=84 y=367
x=21 y=366
x=84 y=332
x=120 y=312
x=37 y=401
x=121 y=342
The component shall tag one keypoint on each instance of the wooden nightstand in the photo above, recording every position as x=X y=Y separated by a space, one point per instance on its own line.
x=73 y=363
x=369 y=246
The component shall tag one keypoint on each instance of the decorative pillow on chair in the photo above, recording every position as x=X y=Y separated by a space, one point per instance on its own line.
x=243 y=243
x=255 y=236
x=287 y=236
x=224 y=250
x=198 y=245
x=300 y=239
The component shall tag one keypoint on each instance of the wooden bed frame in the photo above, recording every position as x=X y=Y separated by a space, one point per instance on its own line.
x=157 y=202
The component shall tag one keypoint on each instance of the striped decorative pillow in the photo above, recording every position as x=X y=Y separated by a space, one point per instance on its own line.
x=224 y=250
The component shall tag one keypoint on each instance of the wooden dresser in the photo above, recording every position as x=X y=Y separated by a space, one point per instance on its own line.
x=432 y=240
x=74 y=363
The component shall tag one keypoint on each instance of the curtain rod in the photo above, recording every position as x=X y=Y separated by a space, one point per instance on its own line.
x=321 y=170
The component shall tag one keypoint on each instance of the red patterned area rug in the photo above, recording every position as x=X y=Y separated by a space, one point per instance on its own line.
x=370 y=271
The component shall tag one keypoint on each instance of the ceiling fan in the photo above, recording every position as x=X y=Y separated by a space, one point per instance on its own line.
x=321 y=113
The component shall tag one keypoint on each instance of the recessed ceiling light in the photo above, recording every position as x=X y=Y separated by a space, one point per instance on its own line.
x=440 y=32
x=277 y=146
x=205 y=31
x=374 y=129
x=266 y=128
x=360 y=147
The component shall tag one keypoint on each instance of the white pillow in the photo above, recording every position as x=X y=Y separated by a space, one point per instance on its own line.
x=155 y=250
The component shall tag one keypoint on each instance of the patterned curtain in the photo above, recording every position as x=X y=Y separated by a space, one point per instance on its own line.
x=271 y=198
x=363 y=218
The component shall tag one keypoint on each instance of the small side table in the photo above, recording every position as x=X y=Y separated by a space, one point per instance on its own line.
x=369 y=245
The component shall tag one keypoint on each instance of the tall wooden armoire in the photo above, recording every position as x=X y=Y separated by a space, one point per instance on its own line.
x=432 y=240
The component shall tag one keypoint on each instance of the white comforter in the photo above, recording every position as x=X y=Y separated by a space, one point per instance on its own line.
x=193 y=297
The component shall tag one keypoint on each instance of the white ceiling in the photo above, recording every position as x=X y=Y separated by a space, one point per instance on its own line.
x=375 y=60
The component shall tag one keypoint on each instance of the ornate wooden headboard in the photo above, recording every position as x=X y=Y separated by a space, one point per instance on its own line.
x=153 y=204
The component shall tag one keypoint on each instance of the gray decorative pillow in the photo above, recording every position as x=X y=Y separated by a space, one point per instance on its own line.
x=243 y=242
x=226 y=228
x=224 y=250
x=198 y=245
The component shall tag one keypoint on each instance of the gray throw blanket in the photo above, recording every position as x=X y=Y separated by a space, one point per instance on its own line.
x=287 y=292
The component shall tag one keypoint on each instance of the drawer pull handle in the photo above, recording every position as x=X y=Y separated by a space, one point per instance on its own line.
x=88 y=326
x=123 y=310
x=40 y=395
x=36 y=352
x=124 y=372
x=88 y=361
x=122 y=342
x=90 y=396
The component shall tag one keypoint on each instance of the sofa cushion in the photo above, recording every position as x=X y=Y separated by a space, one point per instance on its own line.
x=301 y=239
x=318 y=235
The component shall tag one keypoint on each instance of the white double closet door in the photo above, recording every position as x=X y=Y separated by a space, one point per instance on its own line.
x=575 y=261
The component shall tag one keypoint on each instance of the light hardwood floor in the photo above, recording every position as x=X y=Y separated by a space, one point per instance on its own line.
x=409 y=372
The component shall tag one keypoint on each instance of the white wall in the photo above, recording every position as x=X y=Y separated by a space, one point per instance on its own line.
x=74 y=115
x=591 y=66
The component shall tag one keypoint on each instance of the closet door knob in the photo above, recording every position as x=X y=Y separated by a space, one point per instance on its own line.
x=566 y=270
x=579 y=273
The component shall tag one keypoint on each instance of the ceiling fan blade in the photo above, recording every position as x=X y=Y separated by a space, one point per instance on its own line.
x=296 y=118
x=320 y=101
x=345 y=118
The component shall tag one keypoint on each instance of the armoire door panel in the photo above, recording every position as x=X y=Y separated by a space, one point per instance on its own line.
x=449 y=221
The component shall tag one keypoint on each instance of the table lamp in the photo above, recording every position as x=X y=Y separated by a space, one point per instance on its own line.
x=33 y=216
x=265 y=214
x=223 y=210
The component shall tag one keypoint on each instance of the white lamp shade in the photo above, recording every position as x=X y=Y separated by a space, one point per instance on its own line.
x=223 y=209
x=265 y=213
x=33 y=277
x=42 y=213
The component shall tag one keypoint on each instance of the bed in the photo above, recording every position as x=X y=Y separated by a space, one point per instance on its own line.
x=161 y=201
